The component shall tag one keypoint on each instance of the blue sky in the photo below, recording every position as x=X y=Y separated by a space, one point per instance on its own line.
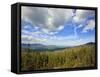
x=62 y=27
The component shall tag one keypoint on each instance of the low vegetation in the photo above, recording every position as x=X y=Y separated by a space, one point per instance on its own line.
x=80 y=56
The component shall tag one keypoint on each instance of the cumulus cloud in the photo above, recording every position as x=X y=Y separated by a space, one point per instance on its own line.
x=83 y=15
x=26 y=26
x=80 y=26
x=29 y=39
x=25 y=31
x=60 y=27
x=47 y=22
x=49 y=19
x=80 y=17
x=90 y=26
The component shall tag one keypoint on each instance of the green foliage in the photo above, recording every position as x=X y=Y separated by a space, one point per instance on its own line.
x=81 y=56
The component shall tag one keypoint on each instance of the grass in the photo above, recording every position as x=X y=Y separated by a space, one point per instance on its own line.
x=80 y=56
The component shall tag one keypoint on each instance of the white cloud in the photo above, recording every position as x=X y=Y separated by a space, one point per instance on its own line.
x=82 y=15
x=45 y=31
x=60 y=41
x=75 y=30
x=36 y=27
x=60 y=28
x=26 y=39
x=26 y=26
x=50 y=19
x=80 y=26
x=90 y=26
x=52 y=32
x=25 y=31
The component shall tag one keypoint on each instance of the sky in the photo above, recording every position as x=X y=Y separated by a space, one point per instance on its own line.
x=55 y=26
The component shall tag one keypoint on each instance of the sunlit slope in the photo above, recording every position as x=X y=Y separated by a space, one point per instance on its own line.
x=80 y=56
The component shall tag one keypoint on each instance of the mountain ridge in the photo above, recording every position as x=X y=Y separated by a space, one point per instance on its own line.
x=49 y=47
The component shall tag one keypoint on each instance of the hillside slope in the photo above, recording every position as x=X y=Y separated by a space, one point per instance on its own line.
x=80 y=56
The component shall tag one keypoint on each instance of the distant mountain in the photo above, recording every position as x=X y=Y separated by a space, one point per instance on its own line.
x=40 y=46
x=90 y=43
x=33 y=46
